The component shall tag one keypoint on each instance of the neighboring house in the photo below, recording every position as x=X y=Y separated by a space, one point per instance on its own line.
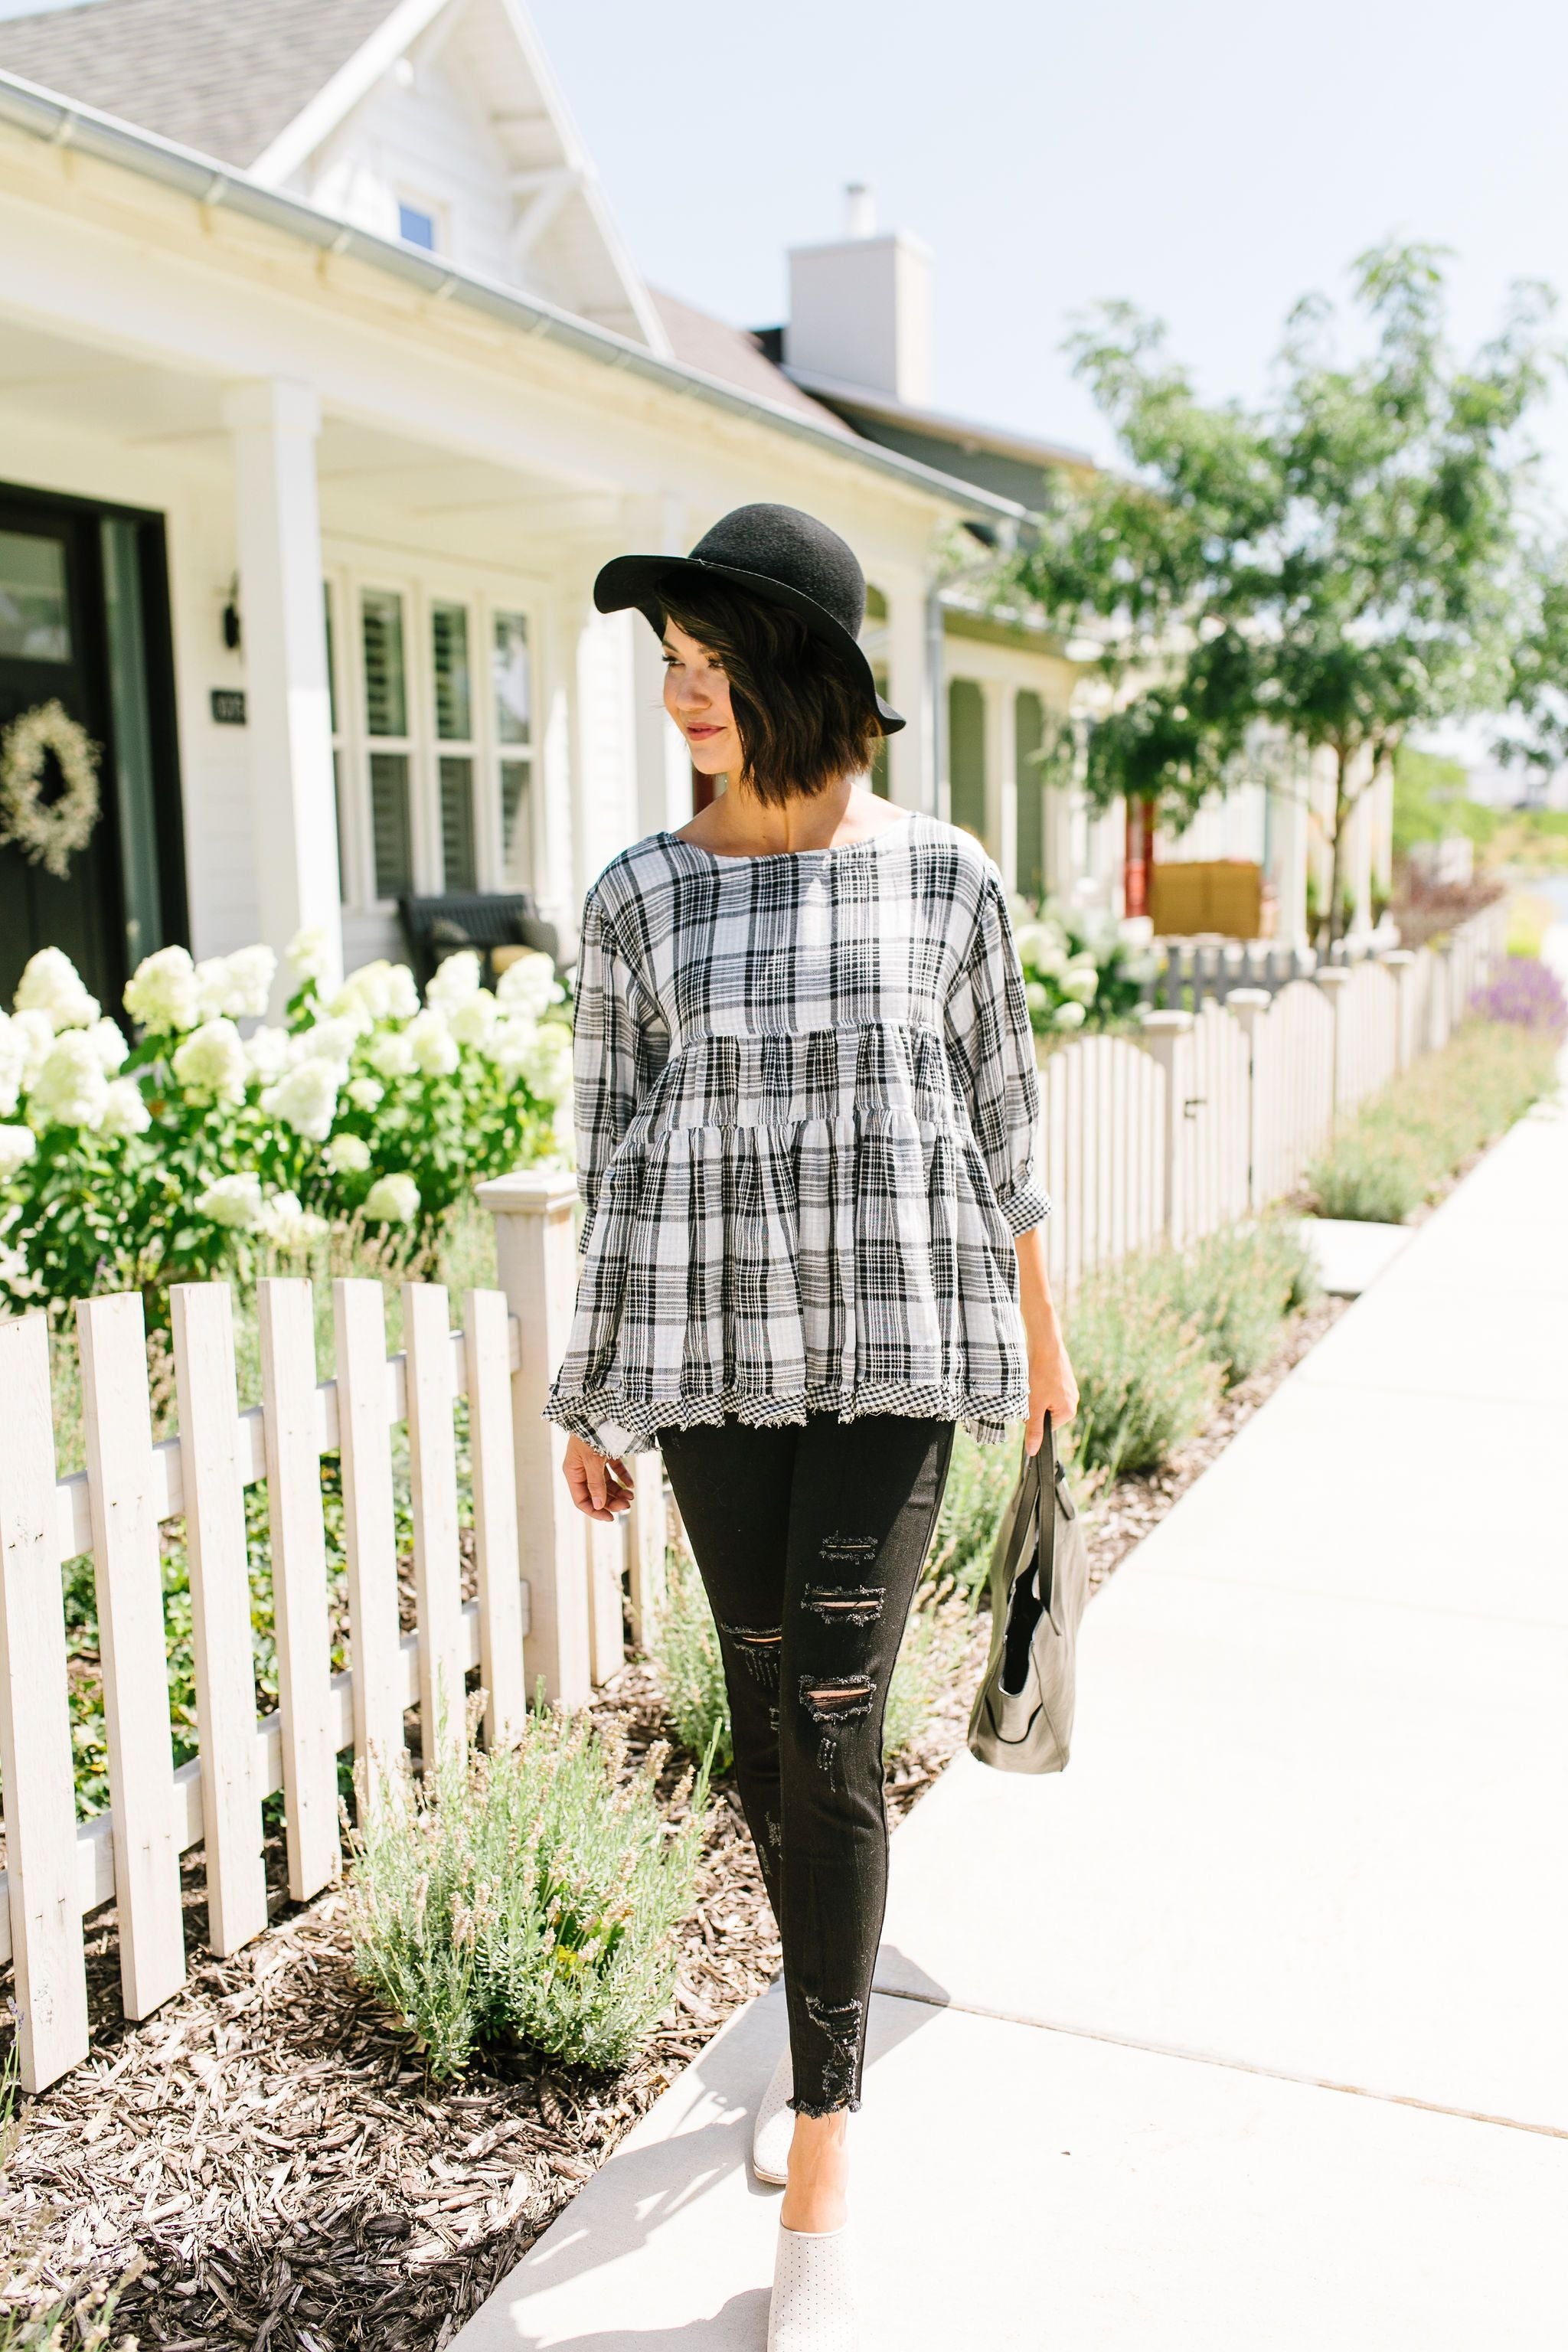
x=327 y=385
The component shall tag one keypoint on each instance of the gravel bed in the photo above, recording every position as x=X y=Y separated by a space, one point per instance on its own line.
x=268 y=2159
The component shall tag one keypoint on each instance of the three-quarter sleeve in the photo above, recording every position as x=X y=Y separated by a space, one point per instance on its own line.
x=617 y=1047
x=989 y=1034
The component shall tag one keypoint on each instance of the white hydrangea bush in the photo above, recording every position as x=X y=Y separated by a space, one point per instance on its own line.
x=1081 y=969
x=217 y=1135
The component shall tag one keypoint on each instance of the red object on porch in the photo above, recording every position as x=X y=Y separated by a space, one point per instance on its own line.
x=1139 y=864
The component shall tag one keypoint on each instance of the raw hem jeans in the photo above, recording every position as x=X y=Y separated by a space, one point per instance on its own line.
x=810 y=1541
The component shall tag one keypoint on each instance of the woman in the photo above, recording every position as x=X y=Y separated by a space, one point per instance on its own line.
x=806 y=1106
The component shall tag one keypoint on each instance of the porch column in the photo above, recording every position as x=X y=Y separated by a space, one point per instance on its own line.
x=663 y=764
x=274 y=424
x=911 y=753
x=1001 y=777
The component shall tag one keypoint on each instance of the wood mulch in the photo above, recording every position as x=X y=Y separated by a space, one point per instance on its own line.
x=269 y=2153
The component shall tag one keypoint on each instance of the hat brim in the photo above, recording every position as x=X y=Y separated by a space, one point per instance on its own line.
x=636 y=580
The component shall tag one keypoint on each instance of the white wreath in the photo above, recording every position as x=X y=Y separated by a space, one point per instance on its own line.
x=47 y=832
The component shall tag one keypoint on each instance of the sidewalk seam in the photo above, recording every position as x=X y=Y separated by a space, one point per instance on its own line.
x=1214 y=2058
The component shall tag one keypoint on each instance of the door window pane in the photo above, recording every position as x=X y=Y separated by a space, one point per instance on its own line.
x=457 y=823
x=517 y=840
x=35 y=617
x=514 y=700
x=449 y=652
x=389 y=824
x=385 y=690
x=331 y=657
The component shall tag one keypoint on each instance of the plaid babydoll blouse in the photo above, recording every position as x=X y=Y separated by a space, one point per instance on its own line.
x=805 y=1107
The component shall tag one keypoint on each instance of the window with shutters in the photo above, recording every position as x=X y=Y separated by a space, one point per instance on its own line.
x=433 y=738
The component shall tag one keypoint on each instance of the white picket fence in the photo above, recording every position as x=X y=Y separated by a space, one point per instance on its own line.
x=1198 y=1120
x=1208 y=1116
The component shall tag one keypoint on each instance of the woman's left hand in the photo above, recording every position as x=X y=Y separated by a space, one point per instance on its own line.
x=1052 y=1388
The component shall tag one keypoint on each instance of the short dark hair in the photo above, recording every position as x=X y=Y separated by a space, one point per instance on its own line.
x=803 y=717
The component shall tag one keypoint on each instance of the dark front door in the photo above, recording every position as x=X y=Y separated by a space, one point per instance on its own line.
x=83 y=623
x=52 y=650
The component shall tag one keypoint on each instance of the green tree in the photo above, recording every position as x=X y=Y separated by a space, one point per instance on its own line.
x=1356 y=559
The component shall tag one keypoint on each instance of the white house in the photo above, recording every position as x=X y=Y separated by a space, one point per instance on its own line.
x=326 y=385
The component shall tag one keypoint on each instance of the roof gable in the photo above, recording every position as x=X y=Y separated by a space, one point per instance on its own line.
x=355 y=104
x=223 y=76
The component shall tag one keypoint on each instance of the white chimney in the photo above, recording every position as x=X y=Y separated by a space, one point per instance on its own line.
x=860 y=311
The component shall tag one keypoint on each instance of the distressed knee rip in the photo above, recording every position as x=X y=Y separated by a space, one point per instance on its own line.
x=758 y=1648
x=831 y=1701
x=844 y=1605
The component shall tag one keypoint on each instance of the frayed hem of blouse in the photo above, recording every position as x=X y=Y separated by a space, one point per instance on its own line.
x=616 y=1424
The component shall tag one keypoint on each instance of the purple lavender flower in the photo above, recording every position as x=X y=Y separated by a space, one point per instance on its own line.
x=1526 y=991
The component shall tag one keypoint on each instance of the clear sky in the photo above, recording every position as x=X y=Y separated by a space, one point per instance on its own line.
x=1209 y=159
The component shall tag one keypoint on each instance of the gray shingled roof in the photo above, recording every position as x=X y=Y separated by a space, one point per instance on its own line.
x=734 y=357
x=223 y=75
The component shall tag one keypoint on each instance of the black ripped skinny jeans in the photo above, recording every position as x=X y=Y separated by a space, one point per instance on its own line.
x=810 y=1541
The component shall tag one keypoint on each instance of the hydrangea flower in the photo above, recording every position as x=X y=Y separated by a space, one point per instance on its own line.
x=528 y=984
x=124 y=1110
x=544 y=1063
x=108 y=1044
x=456 y=978
x=289 y=1226
x=212 y=1060
x=392 y=1201
x=365 y=1093
x=12 y=1061
x=237 y=984
x=267 y=1051
x=51 y=984
x=1080 y=982
x=305 y=953
x=474 y=1018
x=233 y=1200
x=72 y=1090
x=1070 y=1015
x=18 y=1145
x=381 y=990
x=432 y=1043
x=306 y=1099
x=348 y=1155
x=326 y=1041
x=161 y=993
x=391 y=1054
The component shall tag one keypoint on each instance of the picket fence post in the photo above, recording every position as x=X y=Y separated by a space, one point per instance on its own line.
x=35 y=1721
x=1250 y=1007
x=487 y=1347
x=536 y=1261
x=645 y=1543
x=370 y=1530
x=1333 y=978
x=212 y=1480
x=1163 y=1036
x=1400 y=963
x=433 y=1482
x=112 y=1338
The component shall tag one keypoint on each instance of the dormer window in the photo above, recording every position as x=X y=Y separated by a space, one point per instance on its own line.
x=416 y=225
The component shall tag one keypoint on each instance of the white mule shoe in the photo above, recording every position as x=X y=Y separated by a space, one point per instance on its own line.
x=813 y=2306
x=774 y=2126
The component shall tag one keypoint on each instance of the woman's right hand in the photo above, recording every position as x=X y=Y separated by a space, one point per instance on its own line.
x=599 y=1484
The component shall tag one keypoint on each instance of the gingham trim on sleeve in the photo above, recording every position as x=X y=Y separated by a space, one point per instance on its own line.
x=990 y=1034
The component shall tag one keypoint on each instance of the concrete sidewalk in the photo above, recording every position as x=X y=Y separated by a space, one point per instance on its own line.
x=1250 y=2031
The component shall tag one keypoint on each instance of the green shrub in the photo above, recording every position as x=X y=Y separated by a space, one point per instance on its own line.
x=686 y=1656
x=1404 y=1145
x=1371 y=1178
x=1147 y=1382
x=532 y=1893
x=1237 y=1286
x=934 y=1643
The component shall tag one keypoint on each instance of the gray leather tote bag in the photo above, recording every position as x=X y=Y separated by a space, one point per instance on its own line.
x=1040 y=1582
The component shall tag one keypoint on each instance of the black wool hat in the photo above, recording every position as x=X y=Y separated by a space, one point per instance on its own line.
x=775 y=552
